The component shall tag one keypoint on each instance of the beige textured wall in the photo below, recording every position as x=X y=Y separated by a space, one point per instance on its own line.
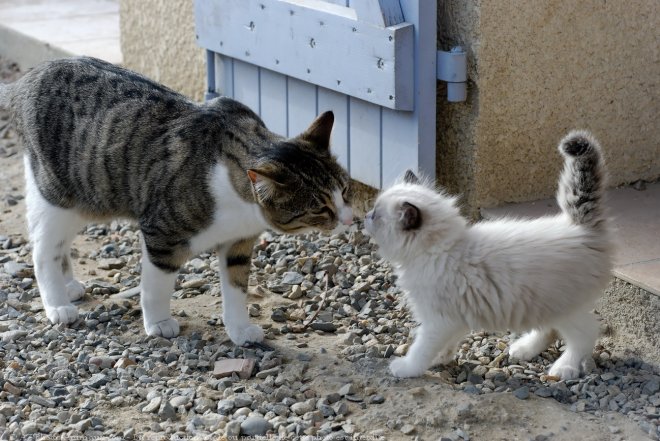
x=539 y=69
x=158 y=40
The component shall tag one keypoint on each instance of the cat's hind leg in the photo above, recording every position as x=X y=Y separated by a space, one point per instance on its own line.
x=52 y=230
x=234 y=267
x=531 y=344
x=579 y=331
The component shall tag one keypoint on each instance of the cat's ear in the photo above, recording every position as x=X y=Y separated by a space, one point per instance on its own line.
x=264 y=183
x=319 y=131
x=410 y=217
x=410 y=177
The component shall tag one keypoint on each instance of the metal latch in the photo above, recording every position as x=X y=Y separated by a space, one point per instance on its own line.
x=452 y=68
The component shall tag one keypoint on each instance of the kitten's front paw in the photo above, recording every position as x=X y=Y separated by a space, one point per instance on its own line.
x=565 y=371
x=165 y=328
x=245 y=334
x=405 y=368
x=62 y=314
x=521 y=350
x=75 y=290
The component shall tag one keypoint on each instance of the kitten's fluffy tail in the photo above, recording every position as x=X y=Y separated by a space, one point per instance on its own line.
x=582 y=181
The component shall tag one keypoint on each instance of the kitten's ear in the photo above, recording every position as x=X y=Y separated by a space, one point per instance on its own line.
x=319 y=131
x=410 y=217
x=410 y=177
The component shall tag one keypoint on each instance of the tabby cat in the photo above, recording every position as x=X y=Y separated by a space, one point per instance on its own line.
x=538 y=275
x=103 y=142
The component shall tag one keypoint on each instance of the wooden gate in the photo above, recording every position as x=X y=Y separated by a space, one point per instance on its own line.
x=372 y=62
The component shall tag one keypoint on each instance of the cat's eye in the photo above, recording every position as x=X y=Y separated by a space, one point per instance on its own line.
x=344 y=195
x=325 y=210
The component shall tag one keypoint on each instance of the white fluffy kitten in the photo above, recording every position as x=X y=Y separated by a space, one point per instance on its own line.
x=538 y=275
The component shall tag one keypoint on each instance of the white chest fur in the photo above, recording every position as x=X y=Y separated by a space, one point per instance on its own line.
x=234 y=218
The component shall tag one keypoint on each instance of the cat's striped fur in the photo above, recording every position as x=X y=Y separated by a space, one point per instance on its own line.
x=102 y=141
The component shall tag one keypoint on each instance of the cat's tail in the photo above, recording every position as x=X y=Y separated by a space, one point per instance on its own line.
x=582 y=181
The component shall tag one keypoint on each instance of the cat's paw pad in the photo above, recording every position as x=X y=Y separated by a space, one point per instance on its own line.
x=522 y=350
x=564 y=371
x=245 y=334
x=62 y=314
x=75 y=290
x=165 y=328
x=405 y=368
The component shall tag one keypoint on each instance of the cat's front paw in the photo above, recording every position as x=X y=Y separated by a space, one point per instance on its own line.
x=521 y=350
x=406 y=368
x=62 y=314
x=165 y=328
x=564 y=370
x=245 y=334
x=75 y=290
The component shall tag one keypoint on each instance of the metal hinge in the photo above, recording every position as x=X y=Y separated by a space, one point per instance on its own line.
x=452 y=68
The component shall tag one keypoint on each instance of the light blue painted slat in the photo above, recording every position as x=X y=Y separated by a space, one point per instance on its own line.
x=224 y=75
x=302 y=105
x=423 y=14
x=338 y=2
x=246 y=84
x=338 y=103
x=274 y=101
x=399 y=144
x=365 y=142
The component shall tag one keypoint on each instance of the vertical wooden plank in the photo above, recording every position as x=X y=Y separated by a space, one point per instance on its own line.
x=302 y=106
x=338 y=103
x=400 y=146
x=224 y=76
x=246 y=84
x=423 y=14
x=274 y=101
x=365 y=142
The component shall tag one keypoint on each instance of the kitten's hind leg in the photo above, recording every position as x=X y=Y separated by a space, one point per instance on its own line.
x=531 y=344
x=579 y=332
x=52 y=230
x=234 y=265
x=157 y=284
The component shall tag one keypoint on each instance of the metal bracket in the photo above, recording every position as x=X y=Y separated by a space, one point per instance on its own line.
x=452 y=68
x=210 y=77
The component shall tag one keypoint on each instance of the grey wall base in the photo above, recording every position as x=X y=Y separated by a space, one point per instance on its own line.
x=26 y=51
x=631 y=315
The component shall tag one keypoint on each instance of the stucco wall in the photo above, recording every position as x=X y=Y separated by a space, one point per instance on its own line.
x=158 y=40
x=539 y=69
x=536 y=70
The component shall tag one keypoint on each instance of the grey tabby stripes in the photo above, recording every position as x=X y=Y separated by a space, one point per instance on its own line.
x=109 y=142
x=582 y=181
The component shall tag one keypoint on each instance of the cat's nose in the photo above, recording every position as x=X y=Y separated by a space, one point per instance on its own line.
x=346 y=216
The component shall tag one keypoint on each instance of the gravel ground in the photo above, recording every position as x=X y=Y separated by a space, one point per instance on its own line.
x=102 y=377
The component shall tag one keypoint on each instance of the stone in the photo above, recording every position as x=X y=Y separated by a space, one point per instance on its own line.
x=268 y=372
x=83 y=425
x=166 y=411
x=651 y=386
x=29 y=428
x=225 y=406
x=233 y=430
x=347 y=389
x=10 y=388
x=11 y=336
x=255 y=426
x=543 y=392
x=278 y=316
x=110 y=264
x=97 y=380
x=36 y=399
x=408 y=429
x=124 y=362
x=340 y=408
x=302 y=408
x=521 y=393
x=153 y=405
x=243 y=400
x=296 y=293
x=323 y=326
x=225 y=367
x=377 y=399
x=292 y=278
